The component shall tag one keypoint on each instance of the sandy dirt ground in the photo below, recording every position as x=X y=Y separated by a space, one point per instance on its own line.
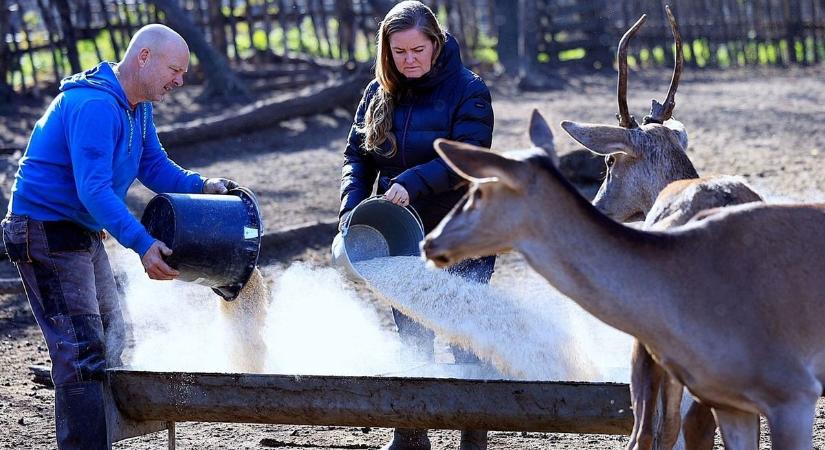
x=762 y=124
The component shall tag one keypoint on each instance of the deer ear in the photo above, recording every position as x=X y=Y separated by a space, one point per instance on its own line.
x=600 y=139
x=477 y=164
x=542 y=136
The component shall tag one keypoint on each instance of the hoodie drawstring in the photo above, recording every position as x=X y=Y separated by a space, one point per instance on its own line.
x=132 y=127
x=131 y=132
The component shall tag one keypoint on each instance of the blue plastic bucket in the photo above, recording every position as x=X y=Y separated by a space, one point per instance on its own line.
x=215 y=239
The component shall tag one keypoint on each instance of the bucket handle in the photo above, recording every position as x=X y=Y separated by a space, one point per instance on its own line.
x=409 y=208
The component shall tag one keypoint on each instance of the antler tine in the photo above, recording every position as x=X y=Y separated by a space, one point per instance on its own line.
x=625 y=119
x=659 y=112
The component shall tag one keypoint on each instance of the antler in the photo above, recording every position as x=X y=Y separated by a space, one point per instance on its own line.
x=625 y=119
x=661 y=112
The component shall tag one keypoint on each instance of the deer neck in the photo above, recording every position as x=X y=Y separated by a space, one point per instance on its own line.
x=607 y=268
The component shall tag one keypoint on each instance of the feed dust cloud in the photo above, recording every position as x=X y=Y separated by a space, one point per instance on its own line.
x=526 y=330
x=308 y=320
x=307 y=323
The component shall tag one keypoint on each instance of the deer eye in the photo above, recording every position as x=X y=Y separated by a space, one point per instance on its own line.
x=609 y=160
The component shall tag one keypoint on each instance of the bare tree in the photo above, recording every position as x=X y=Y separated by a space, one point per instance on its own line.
x=220 y=80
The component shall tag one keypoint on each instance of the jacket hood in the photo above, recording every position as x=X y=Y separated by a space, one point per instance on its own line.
x=101 y=77
x=445 y=66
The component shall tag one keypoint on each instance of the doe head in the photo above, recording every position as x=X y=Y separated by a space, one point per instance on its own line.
x=492 y=216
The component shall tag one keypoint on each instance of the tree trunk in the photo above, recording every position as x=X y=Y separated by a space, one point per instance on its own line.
x=266 y=113
x=220 y=80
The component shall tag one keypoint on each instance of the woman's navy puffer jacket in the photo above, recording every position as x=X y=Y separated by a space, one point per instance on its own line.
x=449 y=102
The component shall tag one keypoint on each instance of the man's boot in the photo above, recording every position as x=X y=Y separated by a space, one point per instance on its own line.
x=408 y=439
x=473 y=440
x=80 y=416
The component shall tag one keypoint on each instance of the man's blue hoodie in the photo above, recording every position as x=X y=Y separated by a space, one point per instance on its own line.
x=86 y=151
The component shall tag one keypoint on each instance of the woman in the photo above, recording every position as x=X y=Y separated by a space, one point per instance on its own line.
x=421 y=92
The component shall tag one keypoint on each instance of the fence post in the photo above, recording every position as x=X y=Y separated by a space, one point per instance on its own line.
x=793 y=24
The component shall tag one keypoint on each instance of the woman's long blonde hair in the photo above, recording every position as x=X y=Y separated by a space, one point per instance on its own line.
x=377 y=126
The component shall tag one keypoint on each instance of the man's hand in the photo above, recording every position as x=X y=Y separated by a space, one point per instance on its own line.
x=218 y=186
x=155 y=266
x=398 y=195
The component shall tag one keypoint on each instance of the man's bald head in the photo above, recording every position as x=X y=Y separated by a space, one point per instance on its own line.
x=156 y=37
x=154 y=63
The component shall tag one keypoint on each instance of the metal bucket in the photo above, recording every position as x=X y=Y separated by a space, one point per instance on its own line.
x=215 y=239
x=376 y=228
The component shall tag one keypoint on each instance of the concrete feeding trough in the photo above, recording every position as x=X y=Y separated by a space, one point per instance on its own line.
x=152 y=401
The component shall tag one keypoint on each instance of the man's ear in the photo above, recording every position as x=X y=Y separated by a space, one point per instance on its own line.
x=143 y=57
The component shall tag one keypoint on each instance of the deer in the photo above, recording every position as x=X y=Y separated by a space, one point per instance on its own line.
x=730 y=305
x=648 y=174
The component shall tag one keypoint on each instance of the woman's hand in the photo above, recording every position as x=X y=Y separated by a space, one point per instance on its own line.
x=398 y=195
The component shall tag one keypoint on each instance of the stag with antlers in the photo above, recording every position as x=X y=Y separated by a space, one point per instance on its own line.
x=642 y=164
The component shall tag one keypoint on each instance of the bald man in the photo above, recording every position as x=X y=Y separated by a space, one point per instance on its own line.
x=96 y=137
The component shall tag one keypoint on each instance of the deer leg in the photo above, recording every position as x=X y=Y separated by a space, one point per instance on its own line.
x=739 y=429
x=672 y=391
x=699 y=427
x=645 y=379
x=792 y=425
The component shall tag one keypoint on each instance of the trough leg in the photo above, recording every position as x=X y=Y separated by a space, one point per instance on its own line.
x=170 y=428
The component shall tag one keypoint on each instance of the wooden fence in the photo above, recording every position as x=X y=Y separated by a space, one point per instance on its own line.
x=46 y=40
x=742 y=32
x=42 y=41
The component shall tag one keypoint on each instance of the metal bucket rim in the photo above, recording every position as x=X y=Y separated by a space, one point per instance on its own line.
x=381 y=199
